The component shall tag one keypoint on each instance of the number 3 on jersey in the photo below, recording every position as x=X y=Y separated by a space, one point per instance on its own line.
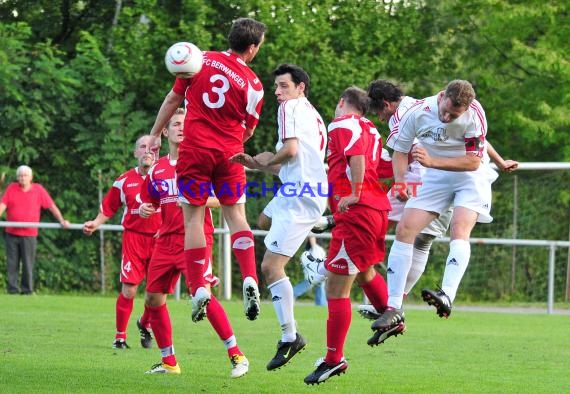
x=217 y=92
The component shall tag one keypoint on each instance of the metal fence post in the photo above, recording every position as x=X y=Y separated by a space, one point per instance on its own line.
x=227 y=260
x=551 y=263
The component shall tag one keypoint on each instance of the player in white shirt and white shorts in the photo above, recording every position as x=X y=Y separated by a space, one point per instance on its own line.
x=451 y=128
x=298 y=205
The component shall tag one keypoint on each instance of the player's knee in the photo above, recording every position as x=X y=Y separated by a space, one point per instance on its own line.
x=365 y=276
x=263 y=222
x=129 y=291
x=423 y=242
x=266 y=269
x=154 y=299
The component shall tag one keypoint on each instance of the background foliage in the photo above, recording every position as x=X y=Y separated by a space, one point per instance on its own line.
x=80 y=80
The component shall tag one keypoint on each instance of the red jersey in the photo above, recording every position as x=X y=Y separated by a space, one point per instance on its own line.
x=352 y=135
x=126 y=192
x=385 y=169
x=25 y=206
x=222 y=101
x=160 y=189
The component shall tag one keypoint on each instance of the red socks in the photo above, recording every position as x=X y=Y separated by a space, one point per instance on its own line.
x=219 y=319
x=338 y=323
x=196 y=264
x=123 y=310
x=377 y=292
x=243 y=248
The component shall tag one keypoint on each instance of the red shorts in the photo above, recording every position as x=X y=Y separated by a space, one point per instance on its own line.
x=200 y=170
x=136 y=254
x=168 y=262
x=358 y=240
x=166 y=265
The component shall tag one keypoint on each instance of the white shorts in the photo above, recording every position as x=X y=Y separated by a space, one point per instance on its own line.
x=292 y=219
x=438 y=227
x=442 y=189
x=398 y=206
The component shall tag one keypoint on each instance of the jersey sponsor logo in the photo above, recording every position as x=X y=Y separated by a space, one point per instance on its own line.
x=438 y=135
x=134 y=184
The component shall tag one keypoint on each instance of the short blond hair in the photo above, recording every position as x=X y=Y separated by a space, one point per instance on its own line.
x=179 y=111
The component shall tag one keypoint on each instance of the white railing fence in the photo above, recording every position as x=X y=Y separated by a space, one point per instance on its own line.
x=224 y=242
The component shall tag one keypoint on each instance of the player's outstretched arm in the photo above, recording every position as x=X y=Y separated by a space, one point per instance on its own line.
x=502 y=164
x=90 y=226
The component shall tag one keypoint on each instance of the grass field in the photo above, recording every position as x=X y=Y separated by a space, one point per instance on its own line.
x=57 y=344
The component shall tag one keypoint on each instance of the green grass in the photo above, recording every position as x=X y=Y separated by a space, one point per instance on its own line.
x=63 y=344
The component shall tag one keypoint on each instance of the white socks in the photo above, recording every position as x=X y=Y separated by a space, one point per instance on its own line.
x=399 y=263
x=230 y=342
x=419 y=261
x=283 y=300
x=455 y=266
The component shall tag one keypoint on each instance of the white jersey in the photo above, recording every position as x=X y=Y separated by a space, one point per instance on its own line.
x=295 y=211
x=439 y=139
x=405 y=104
x=297 y=118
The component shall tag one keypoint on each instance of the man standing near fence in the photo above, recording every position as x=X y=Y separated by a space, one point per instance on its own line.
x=23 y=201
x=138 y=238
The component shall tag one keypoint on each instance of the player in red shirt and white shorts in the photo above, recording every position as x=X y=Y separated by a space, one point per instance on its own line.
x=160 y=192
x=360 y=209
x=138 y=238
x=223 y=103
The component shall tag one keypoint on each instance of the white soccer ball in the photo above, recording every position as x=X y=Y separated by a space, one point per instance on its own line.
x=183 y=59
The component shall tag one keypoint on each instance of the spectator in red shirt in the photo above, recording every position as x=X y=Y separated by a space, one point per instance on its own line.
x=23 y=202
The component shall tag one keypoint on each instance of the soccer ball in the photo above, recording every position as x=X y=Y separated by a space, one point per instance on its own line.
x=183 y=59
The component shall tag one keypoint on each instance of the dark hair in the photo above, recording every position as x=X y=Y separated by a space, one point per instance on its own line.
x=381 y=90
x=245 y=32
x=356 y=98
x=460 y=93
x=298 y=75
